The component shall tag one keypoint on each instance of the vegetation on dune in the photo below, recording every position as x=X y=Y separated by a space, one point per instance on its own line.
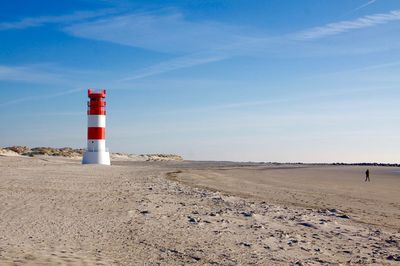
x=71 y=152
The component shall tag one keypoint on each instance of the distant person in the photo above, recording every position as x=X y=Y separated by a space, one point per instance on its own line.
x=367 y=176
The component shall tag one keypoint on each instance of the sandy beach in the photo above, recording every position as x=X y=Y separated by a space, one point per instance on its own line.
x=311 y=186
x=57 y=211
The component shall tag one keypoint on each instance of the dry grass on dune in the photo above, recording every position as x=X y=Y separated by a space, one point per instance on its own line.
x=76 y=153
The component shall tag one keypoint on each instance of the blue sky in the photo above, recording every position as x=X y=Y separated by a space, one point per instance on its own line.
x=288 y=81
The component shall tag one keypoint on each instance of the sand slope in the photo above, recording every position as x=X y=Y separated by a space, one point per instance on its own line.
x=58 y=211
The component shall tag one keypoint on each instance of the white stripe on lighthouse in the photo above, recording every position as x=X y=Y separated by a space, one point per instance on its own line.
x=96 y=121
x=95 y=145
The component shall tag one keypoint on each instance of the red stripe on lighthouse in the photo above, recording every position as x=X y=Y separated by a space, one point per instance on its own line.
x=97 y=111
x=96 y=133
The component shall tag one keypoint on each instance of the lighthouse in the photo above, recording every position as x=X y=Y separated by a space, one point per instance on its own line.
x=96 y=152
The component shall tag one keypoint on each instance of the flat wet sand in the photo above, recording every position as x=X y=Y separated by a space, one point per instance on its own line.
x=311 y=186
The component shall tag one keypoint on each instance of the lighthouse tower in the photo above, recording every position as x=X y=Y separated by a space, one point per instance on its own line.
x=96 y=152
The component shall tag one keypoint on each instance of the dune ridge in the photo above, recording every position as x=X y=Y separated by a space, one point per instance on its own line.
x=77 y=153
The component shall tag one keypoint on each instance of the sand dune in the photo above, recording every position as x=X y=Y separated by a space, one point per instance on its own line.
x=77 y=154
x=57 y=211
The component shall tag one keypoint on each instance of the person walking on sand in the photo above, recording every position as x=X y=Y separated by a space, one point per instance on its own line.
x=367 y=176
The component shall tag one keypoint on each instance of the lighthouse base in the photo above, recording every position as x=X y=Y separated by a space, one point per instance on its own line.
x=96 y=157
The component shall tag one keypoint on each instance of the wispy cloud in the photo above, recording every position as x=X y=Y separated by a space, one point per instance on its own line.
x=63 y=19
x=28 y=73
x=364 y=5
x=197 y=43
x=41 y=114
x=388 y=65
x=162 y=31
x=193 y=43
x=166 y=31
x=176 y=63
x=41 y=97
x=323 y=99
x=346 y=26
x=44 y=73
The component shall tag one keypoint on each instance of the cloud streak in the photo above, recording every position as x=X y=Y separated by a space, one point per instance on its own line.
x=64 y=19
x=29 y=73
x=174 y=64
x=346 y=26
x=197 y=43
x=364 y=5
x=159 y=31
x=45 y=73
x=40 y=97
x=249 y=44
x=193 y=43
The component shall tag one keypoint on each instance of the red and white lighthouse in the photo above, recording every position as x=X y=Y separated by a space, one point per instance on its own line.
x=96 y=152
